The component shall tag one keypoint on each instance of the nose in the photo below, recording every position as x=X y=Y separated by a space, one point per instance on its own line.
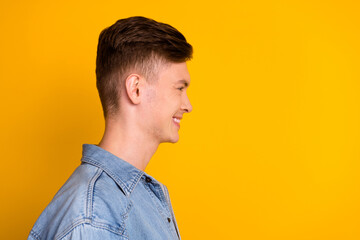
x=186 y=106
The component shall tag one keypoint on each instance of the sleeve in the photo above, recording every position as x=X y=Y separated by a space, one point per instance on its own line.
x=89 y=232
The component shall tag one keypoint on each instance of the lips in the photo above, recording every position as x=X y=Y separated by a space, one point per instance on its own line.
x=176 y=120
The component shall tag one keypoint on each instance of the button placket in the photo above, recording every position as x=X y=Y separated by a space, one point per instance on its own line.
x=167 y=197
x=166 y=208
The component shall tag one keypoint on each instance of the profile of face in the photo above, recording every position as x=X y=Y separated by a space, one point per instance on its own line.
x=167 y=101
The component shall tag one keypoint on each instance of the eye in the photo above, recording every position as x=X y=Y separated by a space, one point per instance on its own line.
x=180 y=88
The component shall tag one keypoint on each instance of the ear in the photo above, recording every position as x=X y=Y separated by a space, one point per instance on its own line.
x=133 y=84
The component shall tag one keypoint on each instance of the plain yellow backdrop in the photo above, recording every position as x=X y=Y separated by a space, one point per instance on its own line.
x=271 y=149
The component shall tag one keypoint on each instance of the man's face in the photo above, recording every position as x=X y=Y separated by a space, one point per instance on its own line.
x=167 y=101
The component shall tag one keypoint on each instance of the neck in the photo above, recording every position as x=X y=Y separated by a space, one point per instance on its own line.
x=128 y=143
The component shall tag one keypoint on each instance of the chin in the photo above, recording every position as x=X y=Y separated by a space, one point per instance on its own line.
x=173 y=139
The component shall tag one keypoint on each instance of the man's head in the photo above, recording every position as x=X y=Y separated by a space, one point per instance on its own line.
x=135 y=45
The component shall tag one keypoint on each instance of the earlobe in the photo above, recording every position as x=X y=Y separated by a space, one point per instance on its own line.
x=133 y=84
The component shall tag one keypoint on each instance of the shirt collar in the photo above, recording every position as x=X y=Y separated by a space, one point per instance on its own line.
x=122 y=172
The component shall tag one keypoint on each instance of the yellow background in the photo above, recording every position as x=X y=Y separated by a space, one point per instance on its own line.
x=271 y=149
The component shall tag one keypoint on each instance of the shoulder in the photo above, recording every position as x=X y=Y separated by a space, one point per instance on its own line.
x=84 y=231
x=86 y=201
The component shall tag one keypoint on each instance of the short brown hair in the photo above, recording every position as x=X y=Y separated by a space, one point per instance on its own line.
x=135 y=43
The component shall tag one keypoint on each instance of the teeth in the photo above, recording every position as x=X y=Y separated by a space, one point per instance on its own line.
x=176 y=120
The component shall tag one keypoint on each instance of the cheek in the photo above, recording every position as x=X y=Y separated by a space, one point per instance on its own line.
x=161 y=107
x=152 y=101
x=150 y=95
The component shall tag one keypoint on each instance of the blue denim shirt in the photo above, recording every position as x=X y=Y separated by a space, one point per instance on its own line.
x=107 y=198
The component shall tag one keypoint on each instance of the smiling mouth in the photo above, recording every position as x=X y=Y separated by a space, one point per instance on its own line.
x=176 y=121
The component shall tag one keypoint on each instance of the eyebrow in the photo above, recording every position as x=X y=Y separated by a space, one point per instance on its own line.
x=186 y=83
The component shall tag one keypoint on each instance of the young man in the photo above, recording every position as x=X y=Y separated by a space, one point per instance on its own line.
x=142 y=80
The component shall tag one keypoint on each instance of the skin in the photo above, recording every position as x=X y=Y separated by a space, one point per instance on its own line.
x=145 y=117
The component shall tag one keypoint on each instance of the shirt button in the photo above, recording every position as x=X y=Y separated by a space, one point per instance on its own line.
x=169 y=220
x=147 y=179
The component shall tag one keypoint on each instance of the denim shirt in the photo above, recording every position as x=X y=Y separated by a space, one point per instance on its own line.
x=107 y=198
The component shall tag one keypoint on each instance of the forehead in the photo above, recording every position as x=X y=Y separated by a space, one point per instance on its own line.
x=174 y=73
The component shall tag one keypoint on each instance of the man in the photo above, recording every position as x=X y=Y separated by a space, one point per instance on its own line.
x=142 y=79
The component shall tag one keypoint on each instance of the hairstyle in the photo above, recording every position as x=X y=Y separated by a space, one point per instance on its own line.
x=134 y=44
